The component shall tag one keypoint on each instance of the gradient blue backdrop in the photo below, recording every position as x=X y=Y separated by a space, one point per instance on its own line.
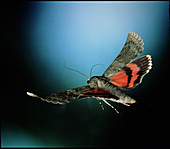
x=84 y=34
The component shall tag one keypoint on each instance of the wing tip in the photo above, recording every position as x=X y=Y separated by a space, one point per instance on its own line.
x=130 y=33
x=31 y=94
x=145 y=64
x=150 y=64
x=132 y=101
x=138 y=38
x=134 y=34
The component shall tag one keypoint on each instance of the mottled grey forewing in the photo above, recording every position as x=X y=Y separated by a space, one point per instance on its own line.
x=132 y=48
x=64 y=96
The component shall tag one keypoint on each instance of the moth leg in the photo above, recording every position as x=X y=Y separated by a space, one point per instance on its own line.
x=118 y=101
x=110 y=105
x=100 y=103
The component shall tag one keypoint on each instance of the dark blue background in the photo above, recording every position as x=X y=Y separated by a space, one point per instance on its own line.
x=39 y=36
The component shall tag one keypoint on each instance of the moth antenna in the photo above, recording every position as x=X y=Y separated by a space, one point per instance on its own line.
x=100 y=104
x=74 y=70
x=93 y=67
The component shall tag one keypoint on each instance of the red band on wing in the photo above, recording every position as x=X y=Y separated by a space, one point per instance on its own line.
x=120 y=79
x=97 y=93
x=126 y=77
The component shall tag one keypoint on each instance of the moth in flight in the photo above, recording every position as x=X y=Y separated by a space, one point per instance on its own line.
x=124 y=72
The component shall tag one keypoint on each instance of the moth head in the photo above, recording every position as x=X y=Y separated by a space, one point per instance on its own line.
x=92 y=82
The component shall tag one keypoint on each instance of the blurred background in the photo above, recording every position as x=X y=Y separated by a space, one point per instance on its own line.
x=39 y=36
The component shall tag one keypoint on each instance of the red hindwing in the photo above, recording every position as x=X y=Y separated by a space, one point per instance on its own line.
x=97 y=93
x=132 y=74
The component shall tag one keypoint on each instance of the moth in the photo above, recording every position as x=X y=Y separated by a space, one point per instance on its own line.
x=123 y=73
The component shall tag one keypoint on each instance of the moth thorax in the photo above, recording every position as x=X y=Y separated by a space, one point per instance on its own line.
x=92 y=82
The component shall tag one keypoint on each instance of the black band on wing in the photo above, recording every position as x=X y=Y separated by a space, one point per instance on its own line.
x=145 y=64
x=128 y=73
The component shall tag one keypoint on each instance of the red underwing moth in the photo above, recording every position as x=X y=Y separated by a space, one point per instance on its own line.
x=124 y=72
